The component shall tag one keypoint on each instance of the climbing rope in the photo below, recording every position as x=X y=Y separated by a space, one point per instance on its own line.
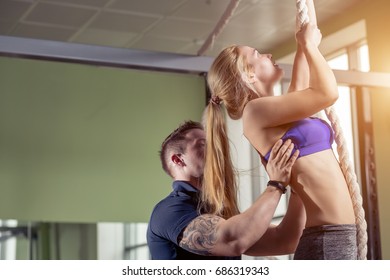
x=345 y=164
x=302 y=12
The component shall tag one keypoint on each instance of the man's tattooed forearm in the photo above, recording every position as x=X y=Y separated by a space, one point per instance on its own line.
x=200 y=235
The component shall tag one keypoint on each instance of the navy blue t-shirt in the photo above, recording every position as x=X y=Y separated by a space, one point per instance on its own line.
x=169 y=218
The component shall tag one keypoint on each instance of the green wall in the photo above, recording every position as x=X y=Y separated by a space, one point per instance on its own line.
x=80 y=143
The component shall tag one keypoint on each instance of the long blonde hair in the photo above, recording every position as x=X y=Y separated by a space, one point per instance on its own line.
x=225 y=80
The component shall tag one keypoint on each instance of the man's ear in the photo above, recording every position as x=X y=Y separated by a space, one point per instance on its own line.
x=176 y=159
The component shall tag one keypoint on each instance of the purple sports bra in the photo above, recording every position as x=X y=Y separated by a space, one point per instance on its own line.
x=309 y=136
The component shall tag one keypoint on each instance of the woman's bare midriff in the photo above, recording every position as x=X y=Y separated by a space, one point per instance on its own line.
x=320 y=183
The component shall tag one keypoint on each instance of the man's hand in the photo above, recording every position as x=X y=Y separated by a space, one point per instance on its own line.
x=281 y=161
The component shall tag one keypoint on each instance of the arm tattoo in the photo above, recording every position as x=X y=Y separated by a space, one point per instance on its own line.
x=199 y=236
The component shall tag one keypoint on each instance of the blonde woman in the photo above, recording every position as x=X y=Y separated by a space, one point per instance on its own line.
x=241 y=79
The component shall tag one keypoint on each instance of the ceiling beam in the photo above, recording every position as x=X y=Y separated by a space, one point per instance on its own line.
x=102 y=56
x=148 y=60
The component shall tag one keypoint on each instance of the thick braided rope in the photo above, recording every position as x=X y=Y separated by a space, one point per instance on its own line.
x=345 y=163
x=352 y=183
x=302 y=12
x=220 y=25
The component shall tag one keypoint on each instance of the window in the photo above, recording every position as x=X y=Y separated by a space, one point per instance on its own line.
x=363 y=58
x=343 y=105
x=354 y=57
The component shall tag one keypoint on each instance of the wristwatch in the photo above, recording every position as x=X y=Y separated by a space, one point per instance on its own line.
x=278 y=185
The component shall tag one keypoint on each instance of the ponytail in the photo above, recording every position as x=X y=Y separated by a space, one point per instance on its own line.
x=219 y=191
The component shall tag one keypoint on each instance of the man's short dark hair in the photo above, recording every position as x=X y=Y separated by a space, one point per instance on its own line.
x=176 y=142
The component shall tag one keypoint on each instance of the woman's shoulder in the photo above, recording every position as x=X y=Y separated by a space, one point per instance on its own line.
x=250 y=107
x=252 y=118
x=253 y=111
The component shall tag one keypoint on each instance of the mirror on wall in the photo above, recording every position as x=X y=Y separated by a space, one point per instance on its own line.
x=21 y=240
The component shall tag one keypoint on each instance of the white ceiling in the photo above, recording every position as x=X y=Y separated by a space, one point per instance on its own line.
x=176 y=26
